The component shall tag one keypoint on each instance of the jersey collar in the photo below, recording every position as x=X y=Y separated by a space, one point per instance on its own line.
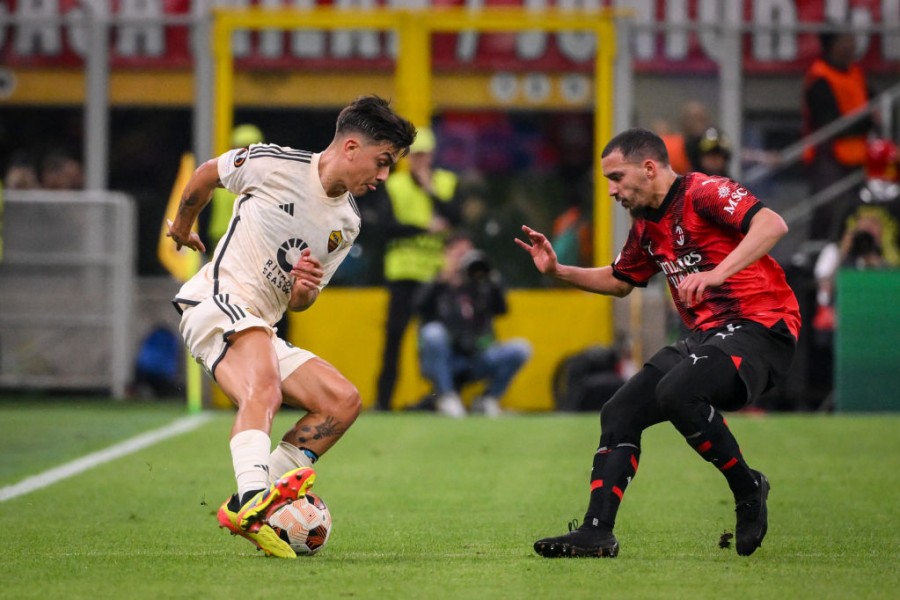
x=656 y=215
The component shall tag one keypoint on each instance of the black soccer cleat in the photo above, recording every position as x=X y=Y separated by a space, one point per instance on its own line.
x=584 y=541
x=752 y=518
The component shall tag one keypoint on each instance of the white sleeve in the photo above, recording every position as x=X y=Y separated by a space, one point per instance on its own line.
x=238 y=173
x=828 y=261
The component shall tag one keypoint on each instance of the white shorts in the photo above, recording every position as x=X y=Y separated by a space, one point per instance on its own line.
x=207 y=326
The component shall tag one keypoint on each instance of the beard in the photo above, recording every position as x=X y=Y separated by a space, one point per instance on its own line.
x=638 y=212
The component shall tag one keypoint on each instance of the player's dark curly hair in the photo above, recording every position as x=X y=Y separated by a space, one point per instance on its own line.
x=638 y=144
x=373 y=117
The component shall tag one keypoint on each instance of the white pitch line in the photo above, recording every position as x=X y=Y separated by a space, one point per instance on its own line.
x=138 y=442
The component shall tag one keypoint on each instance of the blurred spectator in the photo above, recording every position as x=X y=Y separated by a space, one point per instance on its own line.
x=21 y=173
x=714 y=153
x=871 y=240
x=61 y=171
x=416 y=210
x=871 y=236
x=834 y=87
x=457 y=342
x=156 y=366
x=572 y=233
x=882 y=173
x=684 y=146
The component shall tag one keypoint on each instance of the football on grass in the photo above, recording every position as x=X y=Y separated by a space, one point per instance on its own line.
x=305 y=524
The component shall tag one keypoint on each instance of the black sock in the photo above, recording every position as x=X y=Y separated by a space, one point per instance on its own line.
x=716 y=444
x=614 y=468
x=688 y=395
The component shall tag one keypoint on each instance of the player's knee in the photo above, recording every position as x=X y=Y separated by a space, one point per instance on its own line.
x=611 y=439
x=706 y=377
x=434 y=336
x=268 y=395
x=616 y=424
x=521 y=351
x=345 y=402
x=671 y=394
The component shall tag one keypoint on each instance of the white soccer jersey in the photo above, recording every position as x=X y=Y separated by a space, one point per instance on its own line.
x=281 y=209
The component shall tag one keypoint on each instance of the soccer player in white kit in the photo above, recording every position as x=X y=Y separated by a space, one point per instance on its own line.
x=294 y=221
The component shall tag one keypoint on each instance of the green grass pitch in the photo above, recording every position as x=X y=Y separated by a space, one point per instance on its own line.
x=426 y=507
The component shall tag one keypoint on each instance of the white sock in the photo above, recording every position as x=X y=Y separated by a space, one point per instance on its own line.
x=250 y=457
x=286 y=457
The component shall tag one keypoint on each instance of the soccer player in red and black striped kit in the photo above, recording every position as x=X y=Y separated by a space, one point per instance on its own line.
x=710 y=237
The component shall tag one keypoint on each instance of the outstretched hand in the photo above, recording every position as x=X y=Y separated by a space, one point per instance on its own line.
x=192 y=241
x=540 y=249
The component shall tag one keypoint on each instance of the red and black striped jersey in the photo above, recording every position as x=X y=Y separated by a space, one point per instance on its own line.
x=701 y=220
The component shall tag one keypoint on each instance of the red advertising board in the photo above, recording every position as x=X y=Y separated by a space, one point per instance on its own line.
x=665 y=38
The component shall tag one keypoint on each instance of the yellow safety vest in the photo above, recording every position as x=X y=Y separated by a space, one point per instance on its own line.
x=418 y=257
x=222 y=205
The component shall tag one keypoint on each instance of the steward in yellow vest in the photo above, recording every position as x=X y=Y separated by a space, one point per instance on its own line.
x=421 y=208
x=222 y=203
x=417 y=253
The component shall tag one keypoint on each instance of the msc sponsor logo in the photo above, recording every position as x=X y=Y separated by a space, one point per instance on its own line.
x=734 y=199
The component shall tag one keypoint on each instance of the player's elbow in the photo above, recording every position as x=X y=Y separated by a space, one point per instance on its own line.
x=621 y=290
x=778 y=229
x=771 y=223
x=780 y=226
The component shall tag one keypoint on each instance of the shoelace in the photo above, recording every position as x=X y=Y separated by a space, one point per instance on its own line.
x=573 y=525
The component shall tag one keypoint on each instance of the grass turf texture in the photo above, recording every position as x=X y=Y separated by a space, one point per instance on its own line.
x=426 y=507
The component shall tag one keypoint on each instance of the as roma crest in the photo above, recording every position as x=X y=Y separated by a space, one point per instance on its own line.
x=335 y=239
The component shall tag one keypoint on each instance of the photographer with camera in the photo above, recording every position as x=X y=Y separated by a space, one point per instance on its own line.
x=457 y=343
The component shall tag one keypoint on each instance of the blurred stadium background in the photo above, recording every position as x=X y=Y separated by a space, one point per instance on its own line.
x=520 y=94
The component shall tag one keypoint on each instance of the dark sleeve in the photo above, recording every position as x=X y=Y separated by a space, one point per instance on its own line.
x=498 y=299
x=632 y=265
x=450 y=209
x=748 y=216
x=384 y=218
x=820 y=102
x=823 y=109
x=425 y=302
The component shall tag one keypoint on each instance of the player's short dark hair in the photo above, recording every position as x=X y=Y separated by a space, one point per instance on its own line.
x=826 y=41
x=373 y=117
x=638 y=144
x=830 y=36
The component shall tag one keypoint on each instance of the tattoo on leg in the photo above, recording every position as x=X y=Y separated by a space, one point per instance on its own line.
x=329 y=428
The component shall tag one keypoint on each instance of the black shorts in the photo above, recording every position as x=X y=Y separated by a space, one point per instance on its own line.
x=761 y=354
